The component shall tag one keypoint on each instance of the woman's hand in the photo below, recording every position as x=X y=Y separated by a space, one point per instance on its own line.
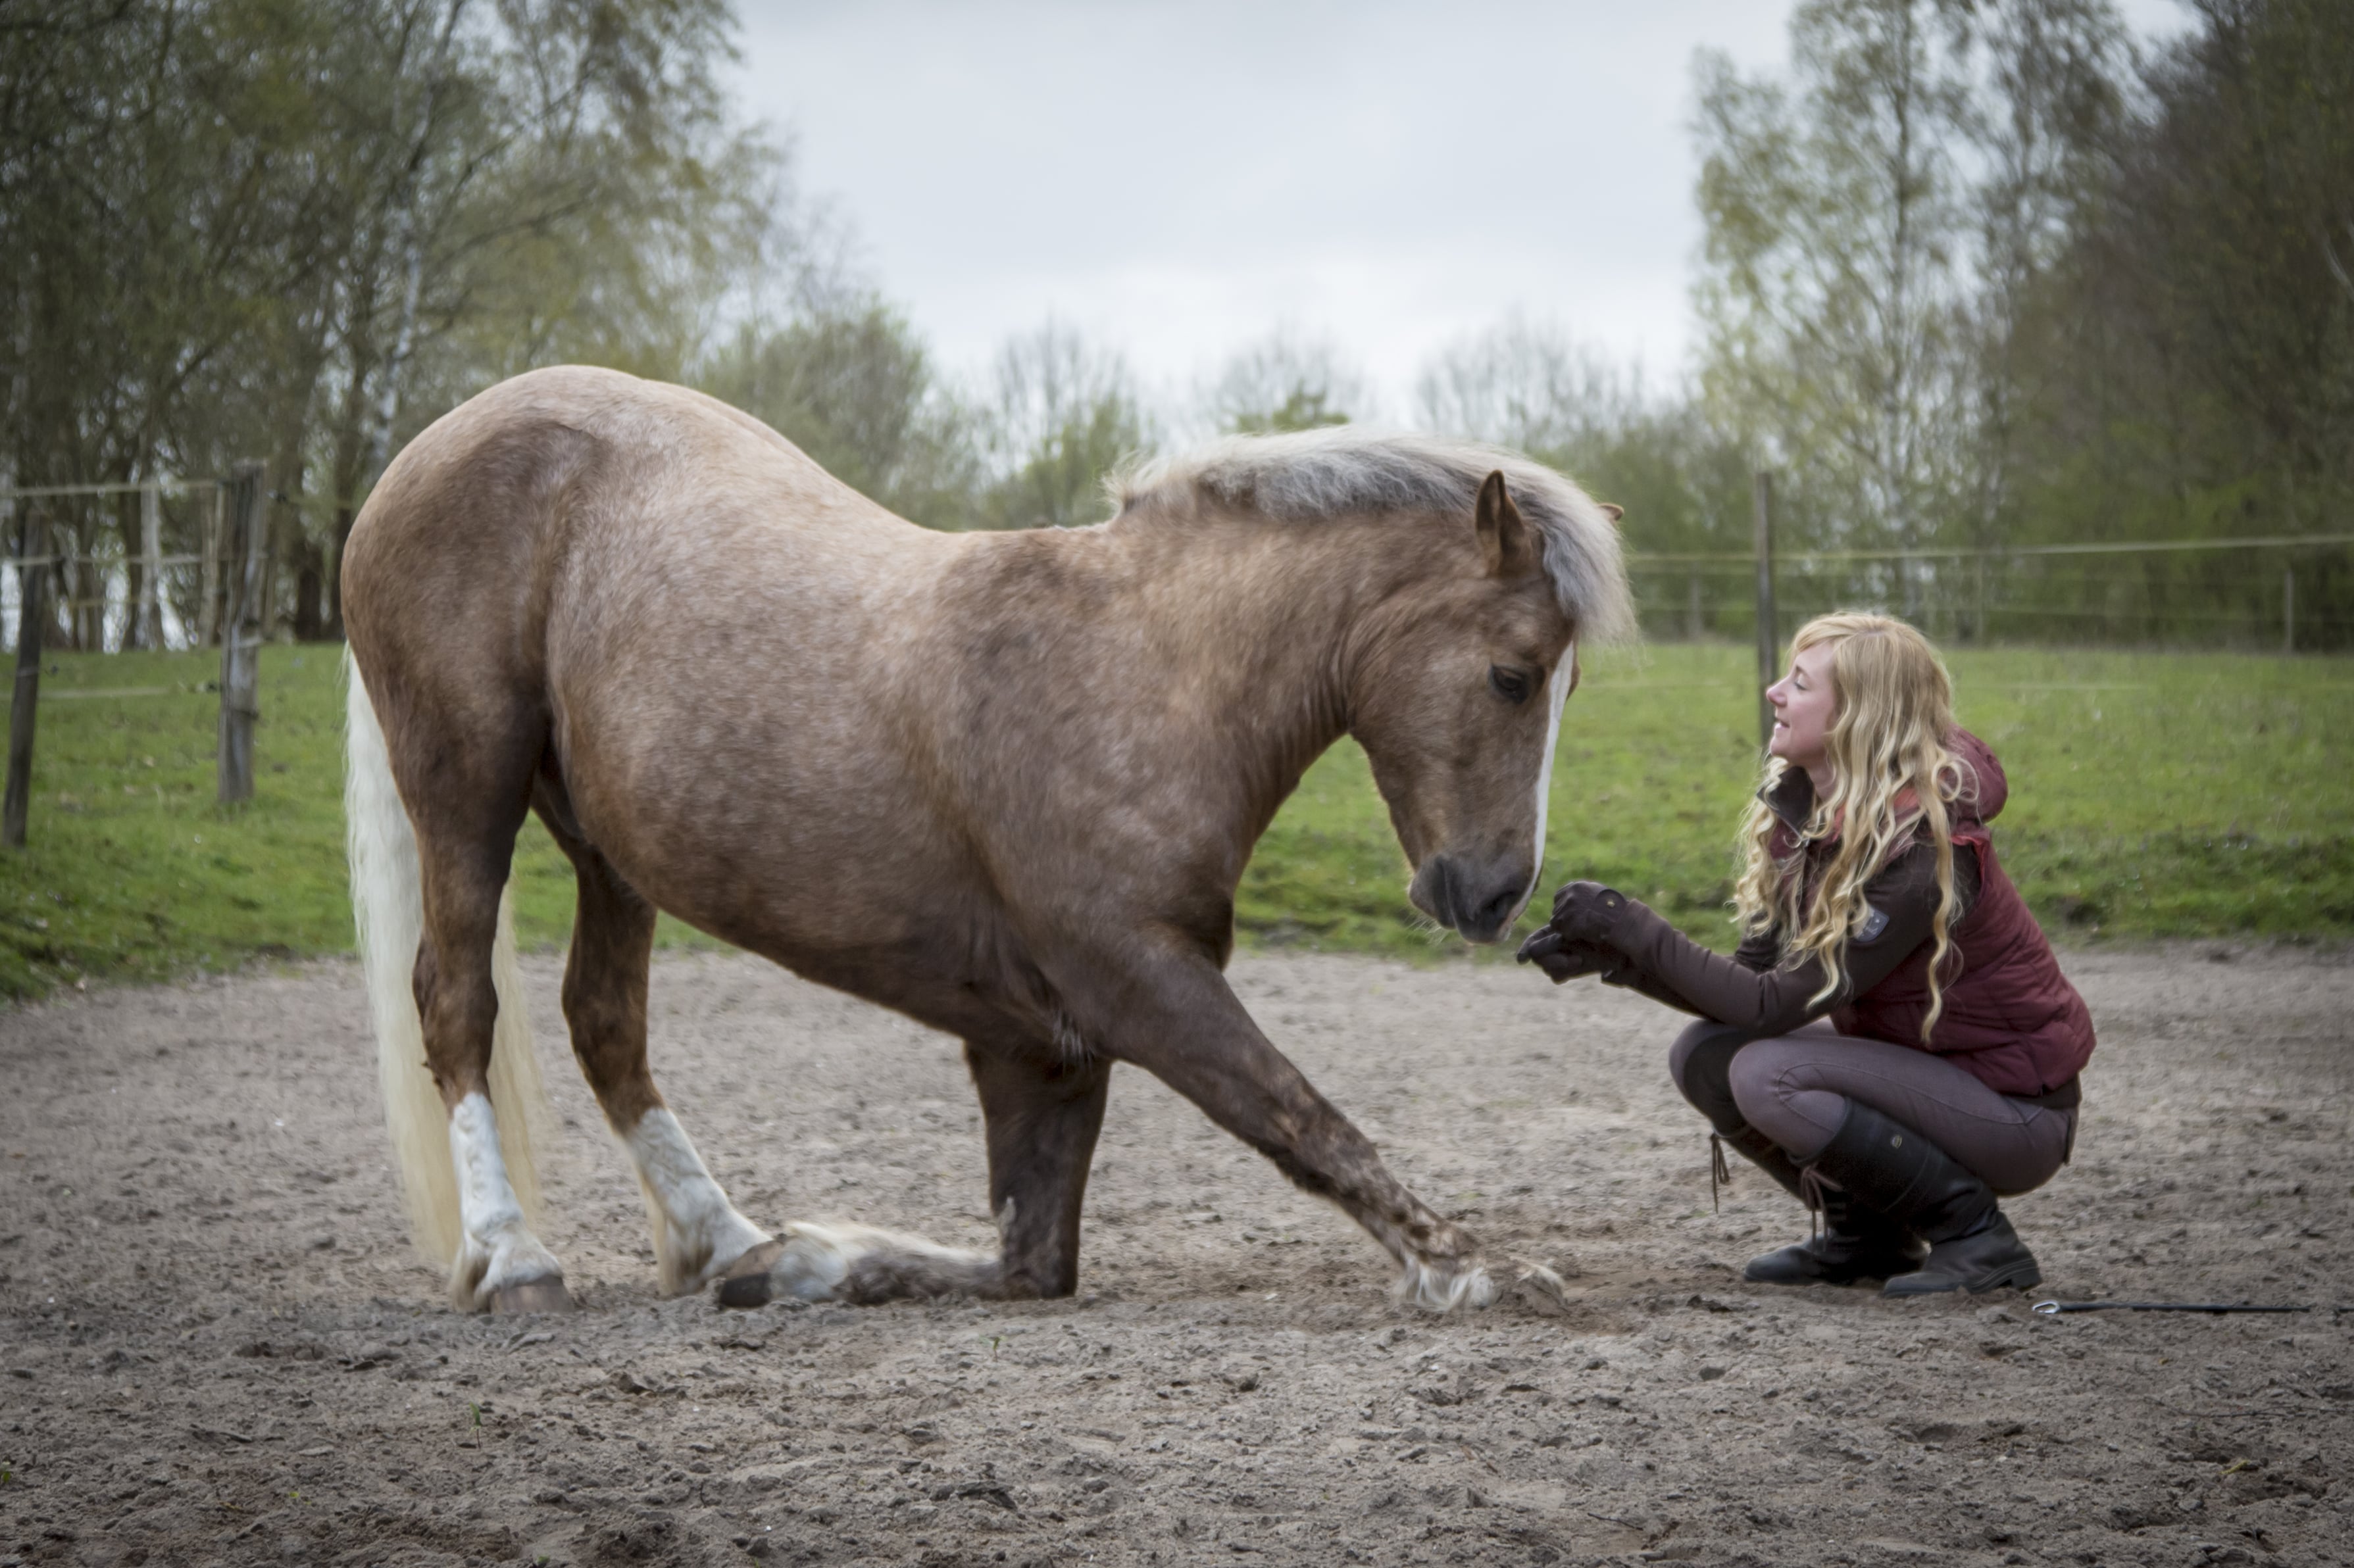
x=1563 y=961
x=1587 y=913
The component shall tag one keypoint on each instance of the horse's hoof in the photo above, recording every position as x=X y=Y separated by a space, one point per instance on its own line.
x=546 y=1295
x=747 y=1282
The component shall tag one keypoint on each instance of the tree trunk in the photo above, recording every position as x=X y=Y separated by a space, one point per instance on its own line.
x=310 y=572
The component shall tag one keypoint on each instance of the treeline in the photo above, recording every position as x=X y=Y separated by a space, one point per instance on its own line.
x=1977 y=275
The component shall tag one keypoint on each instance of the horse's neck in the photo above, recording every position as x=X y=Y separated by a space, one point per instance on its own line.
x=1264 y=621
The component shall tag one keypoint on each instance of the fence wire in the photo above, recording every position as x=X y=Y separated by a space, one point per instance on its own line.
x=98 y=564
x=2274 y=595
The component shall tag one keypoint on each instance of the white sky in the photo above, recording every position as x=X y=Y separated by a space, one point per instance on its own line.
x=1178 y=178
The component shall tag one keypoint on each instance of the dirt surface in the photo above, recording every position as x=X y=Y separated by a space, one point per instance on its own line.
x=217 y=1346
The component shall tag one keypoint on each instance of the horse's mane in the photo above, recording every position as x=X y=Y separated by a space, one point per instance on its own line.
x=1345 y=472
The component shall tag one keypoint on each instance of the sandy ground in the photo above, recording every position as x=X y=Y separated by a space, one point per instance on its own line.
x=217 y=1347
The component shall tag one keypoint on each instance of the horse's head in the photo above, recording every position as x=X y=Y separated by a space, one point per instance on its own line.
x=1458 y=708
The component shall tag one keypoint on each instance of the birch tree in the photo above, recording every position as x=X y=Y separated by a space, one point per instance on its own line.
x=1832 y=297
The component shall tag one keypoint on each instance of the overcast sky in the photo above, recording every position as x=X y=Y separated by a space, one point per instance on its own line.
x=1179 y=179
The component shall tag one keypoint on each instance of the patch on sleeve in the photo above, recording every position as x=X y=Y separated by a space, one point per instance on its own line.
x=1875 y=921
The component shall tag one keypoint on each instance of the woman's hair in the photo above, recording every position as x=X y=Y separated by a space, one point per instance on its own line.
x=1893 y=711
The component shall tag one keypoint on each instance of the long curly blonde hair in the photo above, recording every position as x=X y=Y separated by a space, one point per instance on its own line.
x=1893 y=710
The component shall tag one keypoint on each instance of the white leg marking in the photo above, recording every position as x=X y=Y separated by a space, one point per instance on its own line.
x=496 y=1249
x=818 y=1259
x=1436 y=1289
x=1561 y=683
x=698 y=1233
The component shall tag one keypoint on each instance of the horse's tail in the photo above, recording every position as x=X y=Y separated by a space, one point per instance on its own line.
x=387 y=908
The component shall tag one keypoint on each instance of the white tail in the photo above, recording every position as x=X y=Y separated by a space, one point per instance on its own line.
x=388 y=908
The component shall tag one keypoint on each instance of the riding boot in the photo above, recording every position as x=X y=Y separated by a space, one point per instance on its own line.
x=1853 y=1243
x=1918 y=1186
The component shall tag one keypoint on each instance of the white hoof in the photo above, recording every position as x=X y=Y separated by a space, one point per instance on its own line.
x=511 y=1258
x=1438 y=1289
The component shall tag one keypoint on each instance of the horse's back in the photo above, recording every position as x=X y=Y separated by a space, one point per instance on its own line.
x=723 y=644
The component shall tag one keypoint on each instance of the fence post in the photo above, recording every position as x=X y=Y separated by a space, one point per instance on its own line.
x=1769 y=651
x=1693 y=612
x=241 y=633
x=32 y=609
x=151 y=547
x=2288 y=609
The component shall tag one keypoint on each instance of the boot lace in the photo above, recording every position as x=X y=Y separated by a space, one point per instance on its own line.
x=1812 y=1185
x=1720 y=1174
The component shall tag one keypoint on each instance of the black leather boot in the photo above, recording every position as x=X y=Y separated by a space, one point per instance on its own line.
x=1917 y=1185
x=1853 y=1245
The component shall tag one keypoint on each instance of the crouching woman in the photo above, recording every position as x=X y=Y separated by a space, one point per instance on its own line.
x=1893 y=1041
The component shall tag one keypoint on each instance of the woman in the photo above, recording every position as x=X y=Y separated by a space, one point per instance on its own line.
x=1869 y=897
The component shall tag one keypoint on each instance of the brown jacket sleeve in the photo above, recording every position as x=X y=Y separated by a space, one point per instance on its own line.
x=1773 y=1000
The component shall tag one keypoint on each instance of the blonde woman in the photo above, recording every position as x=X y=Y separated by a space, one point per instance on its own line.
x=1893 y=1041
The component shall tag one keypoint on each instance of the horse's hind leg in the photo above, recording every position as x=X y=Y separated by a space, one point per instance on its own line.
x=501 y=1265
x=697 y=1232
x=1043 y=1116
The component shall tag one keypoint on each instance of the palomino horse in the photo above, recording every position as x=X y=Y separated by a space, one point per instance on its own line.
x=1004 y=783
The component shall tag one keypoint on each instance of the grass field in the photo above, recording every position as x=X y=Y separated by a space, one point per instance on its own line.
x=2152 y=795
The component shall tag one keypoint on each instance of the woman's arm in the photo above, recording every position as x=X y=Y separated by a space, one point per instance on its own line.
x=1773 y=1000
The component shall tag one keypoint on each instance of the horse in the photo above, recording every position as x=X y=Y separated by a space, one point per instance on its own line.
x=1002 y=782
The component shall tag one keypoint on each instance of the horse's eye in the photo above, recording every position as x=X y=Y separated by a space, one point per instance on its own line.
x=1513 y=685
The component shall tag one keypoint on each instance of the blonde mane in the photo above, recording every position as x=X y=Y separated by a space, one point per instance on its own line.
x=1346 y=471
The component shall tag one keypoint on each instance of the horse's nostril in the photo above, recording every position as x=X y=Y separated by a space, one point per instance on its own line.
x=1493 y=915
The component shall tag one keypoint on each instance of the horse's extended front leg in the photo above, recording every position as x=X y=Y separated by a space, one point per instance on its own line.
x=1186 y=1027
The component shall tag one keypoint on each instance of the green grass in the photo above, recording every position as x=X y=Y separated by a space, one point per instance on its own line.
x=2152 y=795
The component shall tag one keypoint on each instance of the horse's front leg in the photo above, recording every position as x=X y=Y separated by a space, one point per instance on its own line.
x=1181 y=1023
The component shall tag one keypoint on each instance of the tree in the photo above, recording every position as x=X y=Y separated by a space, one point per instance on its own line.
x=1682 y=482
x=1285 y=383
x=301 y=229
x=2052 y=110
x=851 y=385
x=1064 y=417
x=1832 y=297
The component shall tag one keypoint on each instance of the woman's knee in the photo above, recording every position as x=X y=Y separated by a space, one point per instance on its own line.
x=1756 y=1079
x=1700 y=1062
x=2025 y=1157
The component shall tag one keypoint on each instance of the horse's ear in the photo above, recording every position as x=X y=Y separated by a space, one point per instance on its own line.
x=1612 y=510
x=1505 y=542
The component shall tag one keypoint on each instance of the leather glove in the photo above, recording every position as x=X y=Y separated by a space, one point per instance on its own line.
x=1563 y=961
x=1587 y=912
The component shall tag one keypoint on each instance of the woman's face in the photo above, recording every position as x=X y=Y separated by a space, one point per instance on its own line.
x=1803 y=707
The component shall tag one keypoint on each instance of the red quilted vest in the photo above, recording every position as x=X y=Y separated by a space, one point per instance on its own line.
x=2010 y=1017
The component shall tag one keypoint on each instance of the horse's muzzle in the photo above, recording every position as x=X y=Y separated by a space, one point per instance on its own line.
x=1477 y=899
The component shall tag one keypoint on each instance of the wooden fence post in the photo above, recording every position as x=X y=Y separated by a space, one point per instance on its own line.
x=1769 y=649
x=2288 y=609
x=32 y=609
x=241 y=633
